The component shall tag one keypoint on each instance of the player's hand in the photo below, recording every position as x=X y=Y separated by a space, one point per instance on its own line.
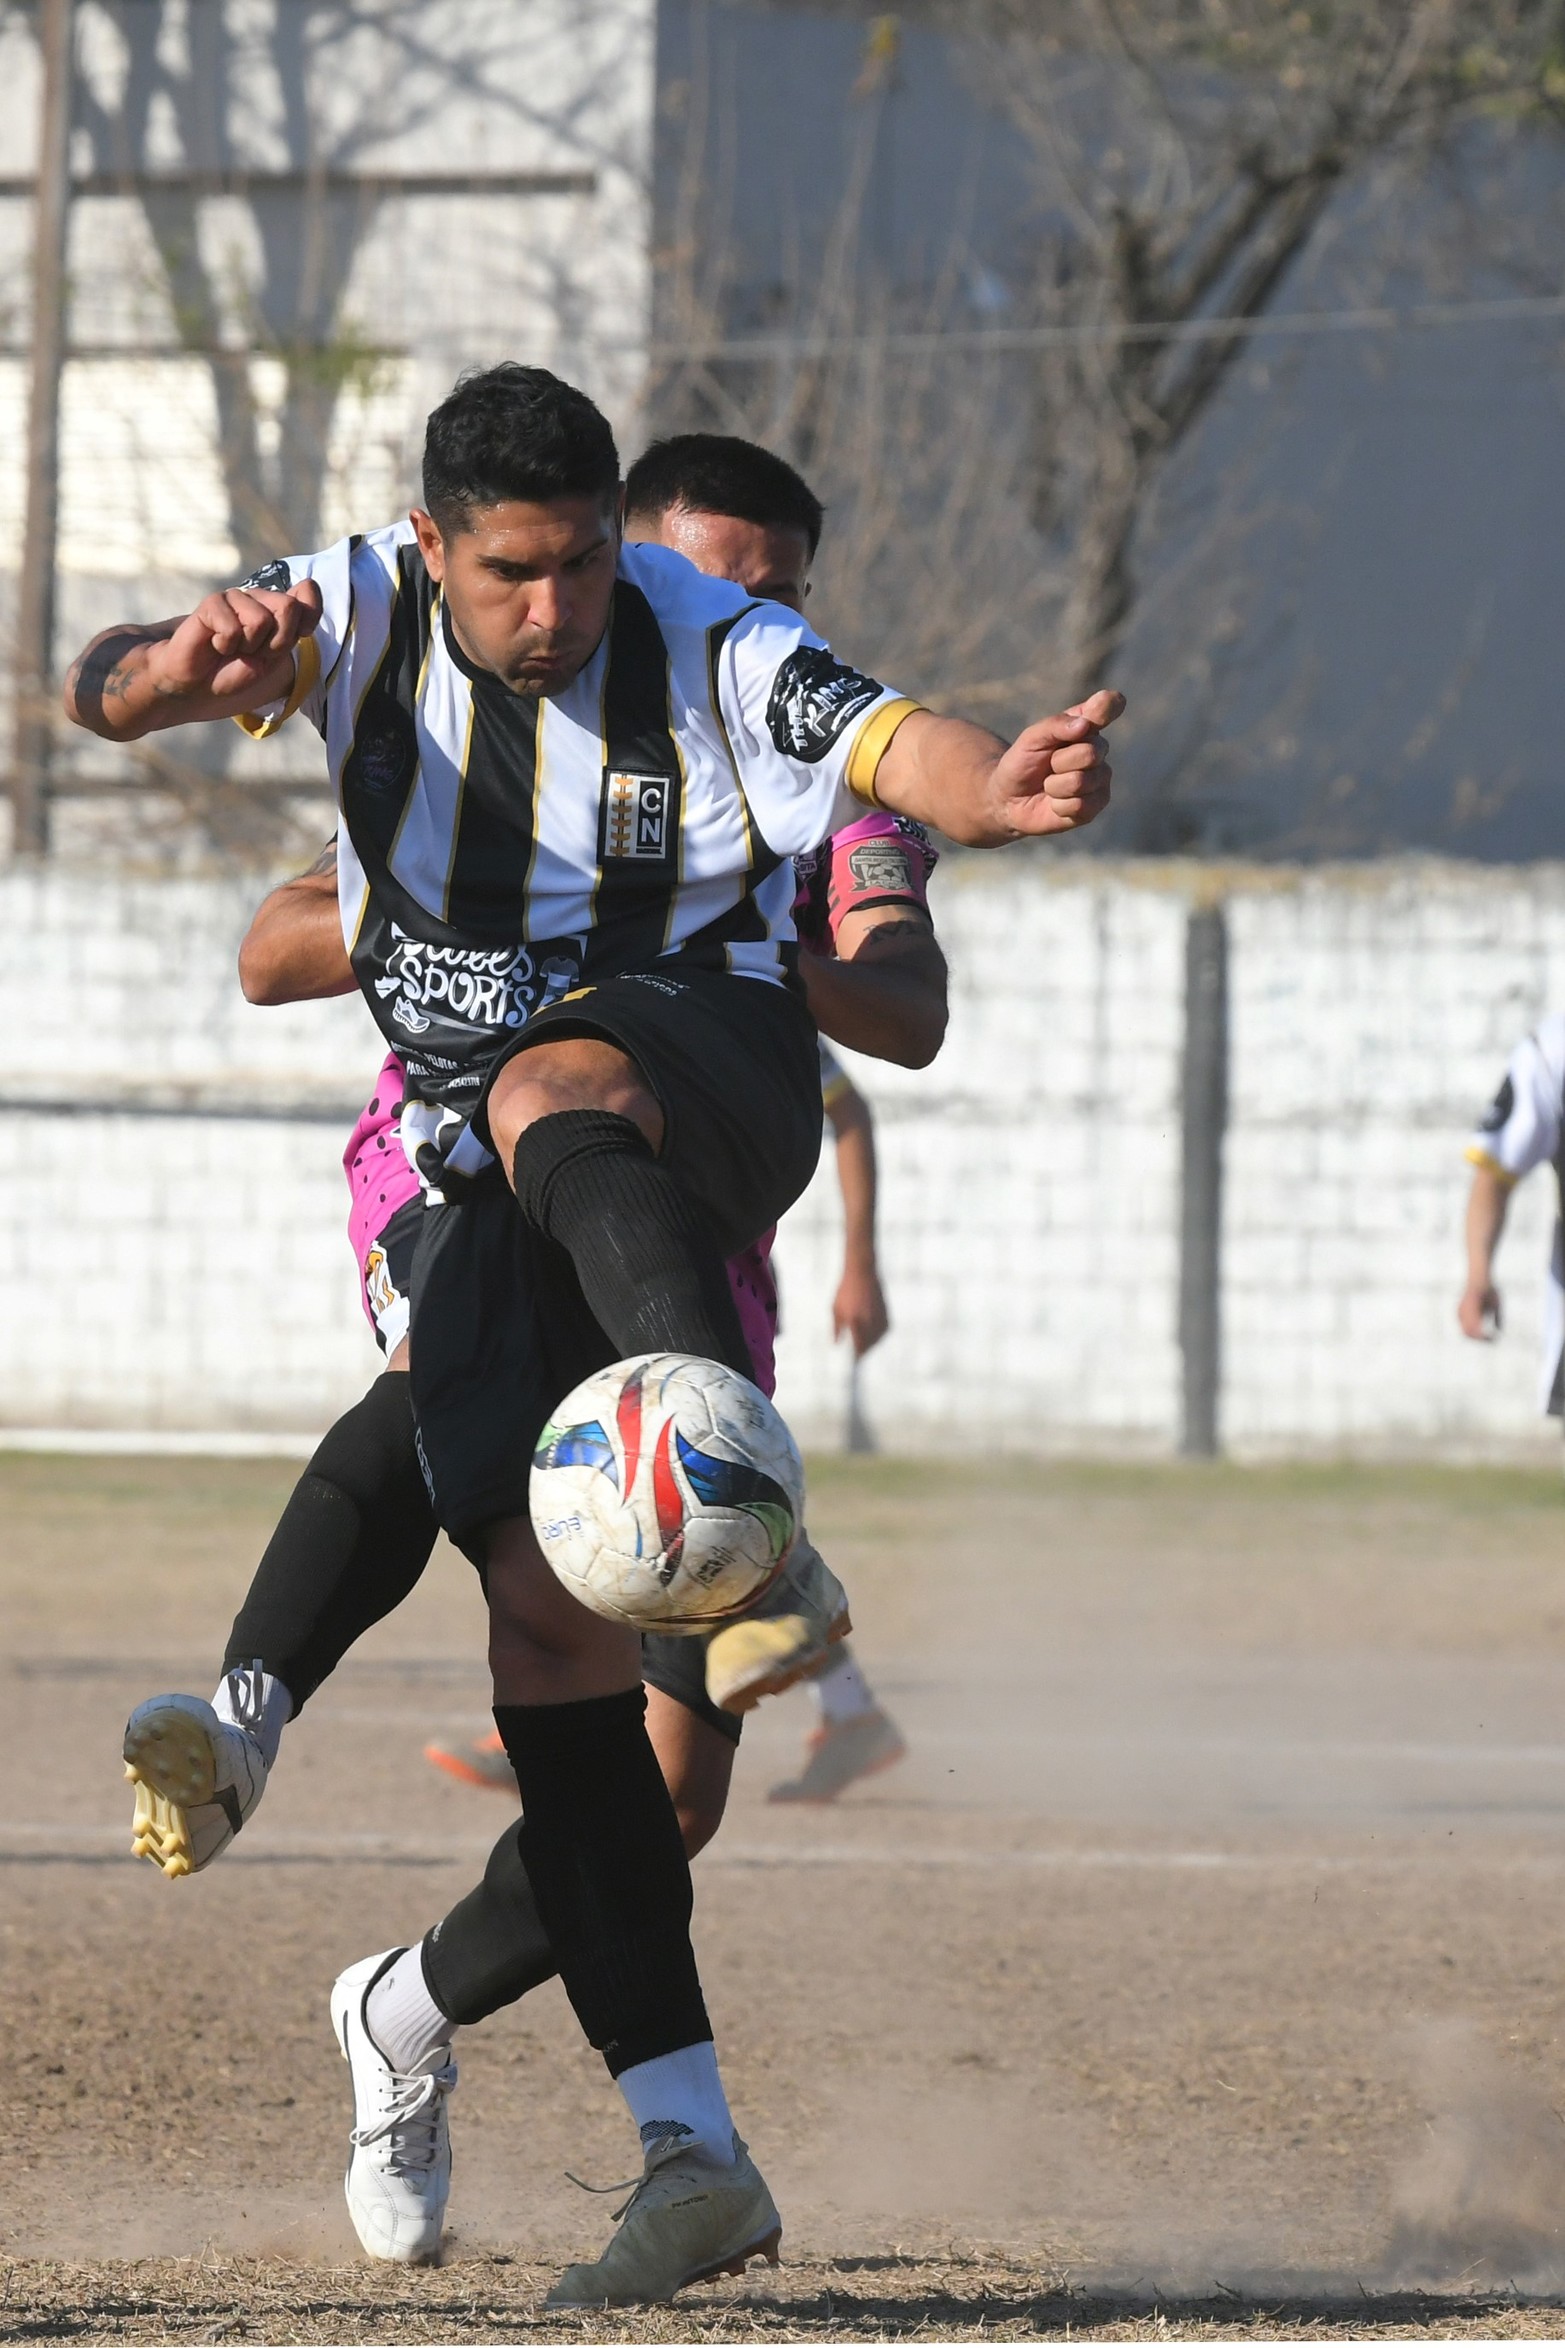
x=1055 y=777
x=1479 y=1313
x=233 y=643
x=858 y=1310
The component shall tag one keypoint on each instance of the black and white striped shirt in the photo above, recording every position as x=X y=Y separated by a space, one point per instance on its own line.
x=497 y=850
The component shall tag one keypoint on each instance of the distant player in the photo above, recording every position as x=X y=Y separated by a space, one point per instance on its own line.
x=1524 y=1127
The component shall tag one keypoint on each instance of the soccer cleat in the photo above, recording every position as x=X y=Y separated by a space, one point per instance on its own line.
x=399 y=2171
x=690 y=2219
x=197 y=1779
x=840 y=1753
x=485 y=1763
x=784 y=1638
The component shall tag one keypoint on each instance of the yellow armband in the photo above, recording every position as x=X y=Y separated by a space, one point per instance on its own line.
x=870 y=745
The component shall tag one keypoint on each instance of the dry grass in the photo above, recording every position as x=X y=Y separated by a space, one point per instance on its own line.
x=979 y=2296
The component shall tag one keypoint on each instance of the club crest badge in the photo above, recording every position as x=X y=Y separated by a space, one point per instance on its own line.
x=637 y=812
x=880 y=865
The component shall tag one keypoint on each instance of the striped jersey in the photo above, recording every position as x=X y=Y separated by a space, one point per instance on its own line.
x=498 y=850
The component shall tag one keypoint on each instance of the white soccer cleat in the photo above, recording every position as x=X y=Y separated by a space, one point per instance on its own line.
x=399 y=2172
x=197 y=1780
x=690 y=2219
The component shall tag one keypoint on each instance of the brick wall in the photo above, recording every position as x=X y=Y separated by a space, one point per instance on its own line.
x=170 y=1260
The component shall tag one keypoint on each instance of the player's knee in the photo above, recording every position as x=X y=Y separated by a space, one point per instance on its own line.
x=580 y=1072
x=373 y=1448
x=544 y=1646
x=699 y=1819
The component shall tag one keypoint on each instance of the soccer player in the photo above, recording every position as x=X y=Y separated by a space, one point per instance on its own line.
x=1524 y=1127
x=560 y=761
x=739 y=511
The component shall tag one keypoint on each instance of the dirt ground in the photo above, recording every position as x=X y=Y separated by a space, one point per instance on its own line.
x=1199 y=1972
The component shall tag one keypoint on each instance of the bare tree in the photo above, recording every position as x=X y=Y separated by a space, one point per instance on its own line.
x=1187 y=154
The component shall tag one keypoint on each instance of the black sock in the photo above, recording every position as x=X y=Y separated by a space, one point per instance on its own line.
x=353 y=1540
x=602 y=1850
x=648 y=1267
x=491 y=1948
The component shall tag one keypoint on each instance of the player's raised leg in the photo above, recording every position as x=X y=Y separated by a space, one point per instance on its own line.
x=353 y=1540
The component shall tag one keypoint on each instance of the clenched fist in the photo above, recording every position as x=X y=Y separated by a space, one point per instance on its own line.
x=1055 y=776
x=233 y=642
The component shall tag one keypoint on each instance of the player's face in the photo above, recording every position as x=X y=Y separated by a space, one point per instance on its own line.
x=771 y=563
x=527 y=586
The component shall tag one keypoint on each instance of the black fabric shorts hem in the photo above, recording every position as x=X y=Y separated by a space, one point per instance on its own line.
x=677 y=1668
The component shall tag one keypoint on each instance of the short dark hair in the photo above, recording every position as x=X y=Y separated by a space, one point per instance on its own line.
x=714 y=473
x=514 y=432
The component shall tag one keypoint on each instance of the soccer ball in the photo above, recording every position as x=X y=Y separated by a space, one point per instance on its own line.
x=666 y=1493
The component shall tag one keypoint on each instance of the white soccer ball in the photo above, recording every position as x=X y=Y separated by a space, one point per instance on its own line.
x=666 y=1493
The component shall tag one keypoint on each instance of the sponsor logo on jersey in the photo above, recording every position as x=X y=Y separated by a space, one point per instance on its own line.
x=635 y=817
x=472 y=987
x=1498 y=1113
x=814 y=698
x=880 y=865
x=272 y=578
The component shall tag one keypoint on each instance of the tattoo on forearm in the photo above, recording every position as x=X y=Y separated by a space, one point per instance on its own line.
x=107 y=670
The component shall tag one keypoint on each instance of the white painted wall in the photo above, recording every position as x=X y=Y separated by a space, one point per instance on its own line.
x=169 y=1261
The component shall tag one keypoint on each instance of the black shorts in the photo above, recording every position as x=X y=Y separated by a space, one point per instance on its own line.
x=678 y=1667
x=500 y=1329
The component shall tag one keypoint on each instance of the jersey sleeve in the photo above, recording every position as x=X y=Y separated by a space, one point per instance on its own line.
x=1522 y=1126
x=882 y=859
x=316 y=656
x=808 y=733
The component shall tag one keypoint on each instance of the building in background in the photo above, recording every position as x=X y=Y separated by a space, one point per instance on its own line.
x=291 y=226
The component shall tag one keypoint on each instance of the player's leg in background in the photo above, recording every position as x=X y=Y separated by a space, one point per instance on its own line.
x=853 y=1736
x=351 y=1544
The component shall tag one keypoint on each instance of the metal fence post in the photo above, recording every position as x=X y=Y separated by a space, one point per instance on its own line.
x=34 y=717
x=1204 y=1088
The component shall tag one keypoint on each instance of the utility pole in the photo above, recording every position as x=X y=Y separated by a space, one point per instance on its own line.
x=1204 y=1121
x=33 y=680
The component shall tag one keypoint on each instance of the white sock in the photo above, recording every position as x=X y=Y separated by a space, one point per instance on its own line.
x=251 y=1699
x=403 y=2019
x=681 y=2094
x=841 y=1691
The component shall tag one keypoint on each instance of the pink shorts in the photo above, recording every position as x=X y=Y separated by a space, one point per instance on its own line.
x=383 y=1227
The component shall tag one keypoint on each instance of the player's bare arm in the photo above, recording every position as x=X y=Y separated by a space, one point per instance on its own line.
x=1478 y=1311
x=985 y=793
x=858 y=1310
x=293 y=950
x=232 y=654
x=885 y=991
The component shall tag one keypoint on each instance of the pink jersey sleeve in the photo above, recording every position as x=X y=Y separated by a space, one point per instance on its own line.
x=883 y=859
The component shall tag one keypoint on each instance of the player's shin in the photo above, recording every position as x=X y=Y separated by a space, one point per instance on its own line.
x=602 y=1850
x=642 y=1250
